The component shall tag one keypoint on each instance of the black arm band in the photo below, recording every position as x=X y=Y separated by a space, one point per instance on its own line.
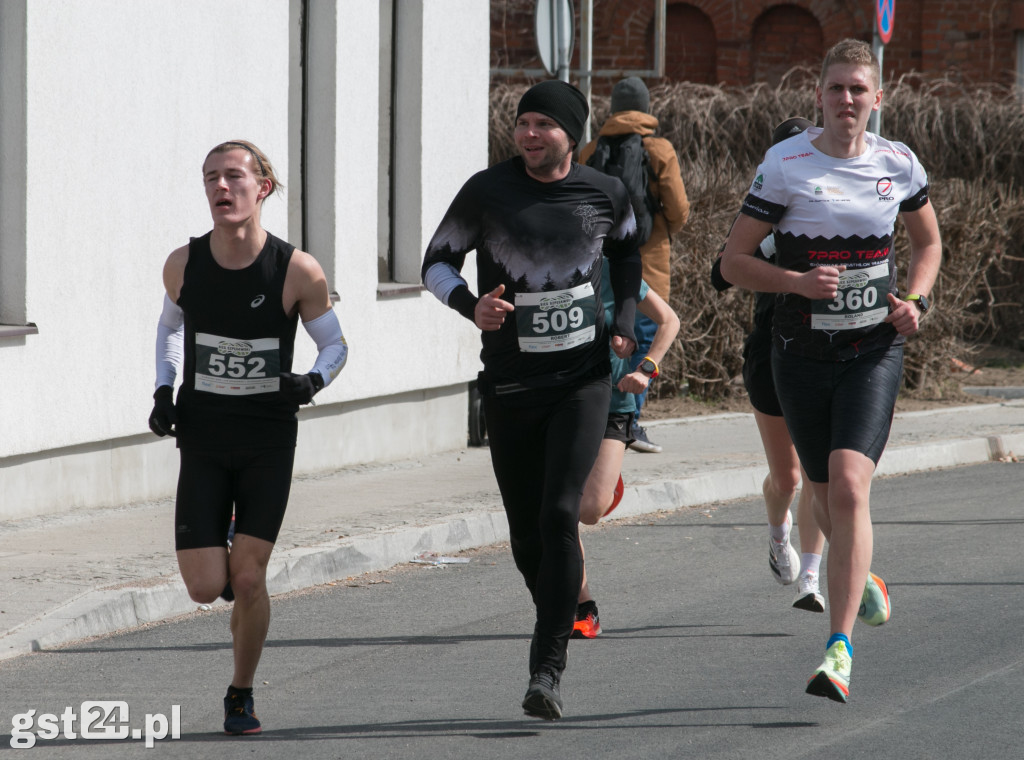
x=719 y=282
x=463 y=302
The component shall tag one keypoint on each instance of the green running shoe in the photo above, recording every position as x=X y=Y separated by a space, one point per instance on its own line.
x=874 y=605
x=832 y=678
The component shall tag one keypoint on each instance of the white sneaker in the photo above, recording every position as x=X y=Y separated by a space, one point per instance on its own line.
x=783 y=559
x=808 y=595
x=641 y=442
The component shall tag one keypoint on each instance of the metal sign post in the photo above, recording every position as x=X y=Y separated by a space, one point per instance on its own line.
x=885 y=10
x=554 y=29
x=587 y=59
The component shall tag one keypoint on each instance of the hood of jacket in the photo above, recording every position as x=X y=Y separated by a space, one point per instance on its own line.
x=629 y=122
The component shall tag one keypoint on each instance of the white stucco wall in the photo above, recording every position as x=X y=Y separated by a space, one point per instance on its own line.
x=407 y=342
x=123 y=100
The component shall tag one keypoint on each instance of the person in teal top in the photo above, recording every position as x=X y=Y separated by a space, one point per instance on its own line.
x=623 y=402
x=604 y=486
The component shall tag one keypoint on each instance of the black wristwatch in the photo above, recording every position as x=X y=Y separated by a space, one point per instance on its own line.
x=919 y=301
x=649 y=367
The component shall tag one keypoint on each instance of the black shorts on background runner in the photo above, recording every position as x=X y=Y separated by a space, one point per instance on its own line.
x=620 y=427
x=757 y=372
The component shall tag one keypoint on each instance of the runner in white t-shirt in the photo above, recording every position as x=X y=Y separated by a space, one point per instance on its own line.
x=832 y=196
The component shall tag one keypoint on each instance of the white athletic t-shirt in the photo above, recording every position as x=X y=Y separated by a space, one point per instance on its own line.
x=827 y=212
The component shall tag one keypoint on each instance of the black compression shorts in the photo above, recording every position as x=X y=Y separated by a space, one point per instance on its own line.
x=831 y=405
x=757 y=372
x=212 y=483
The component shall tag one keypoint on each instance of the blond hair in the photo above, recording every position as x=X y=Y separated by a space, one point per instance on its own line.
x=262 y=167
x=853 y=52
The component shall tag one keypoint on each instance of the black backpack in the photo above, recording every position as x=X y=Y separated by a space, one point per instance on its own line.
x=624 y=156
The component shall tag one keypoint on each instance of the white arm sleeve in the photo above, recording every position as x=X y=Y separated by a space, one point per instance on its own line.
x=325 y=331
x=170 y=343
x=441 y=279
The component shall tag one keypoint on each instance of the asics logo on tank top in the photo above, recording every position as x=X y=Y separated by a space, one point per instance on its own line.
x=257 y=301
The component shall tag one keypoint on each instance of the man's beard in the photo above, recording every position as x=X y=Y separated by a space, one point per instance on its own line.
x=551 y=161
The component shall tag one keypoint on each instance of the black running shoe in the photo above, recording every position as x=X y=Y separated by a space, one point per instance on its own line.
x=542 y=699
x=239 y=715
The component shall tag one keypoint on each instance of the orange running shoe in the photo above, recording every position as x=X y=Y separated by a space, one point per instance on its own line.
x=620 y=487
x=588 y=624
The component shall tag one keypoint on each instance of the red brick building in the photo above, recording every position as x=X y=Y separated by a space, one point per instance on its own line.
x=740 y=42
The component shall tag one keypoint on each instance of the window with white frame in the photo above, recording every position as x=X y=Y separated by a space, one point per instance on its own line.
x=13 y=178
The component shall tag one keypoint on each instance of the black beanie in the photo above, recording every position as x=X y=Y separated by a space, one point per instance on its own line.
x=790 y=127
x=631 y=94
x=560 y=101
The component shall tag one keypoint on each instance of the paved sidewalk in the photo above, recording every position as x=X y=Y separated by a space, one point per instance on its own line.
x=97 y=571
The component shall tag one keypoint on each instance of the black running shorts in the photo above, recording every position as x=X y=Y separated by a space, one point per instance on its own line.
x=830 y=405
x=757 y=372
x=620 y=427
x=255 y=484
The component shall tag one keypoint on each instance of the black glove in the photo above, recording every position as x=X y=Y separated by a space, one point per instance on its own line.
x=717 y=281
x=300 y=389
x=164 y=416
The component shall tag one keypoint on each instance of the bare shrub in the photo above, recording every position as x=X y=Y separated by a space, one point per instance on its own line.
x=968 y=134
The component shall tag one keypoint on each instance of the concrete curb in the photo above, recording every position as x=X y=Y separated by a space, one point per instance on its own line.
x=97 y=612
x=304 y=567
x=928 y=456
x=103 y=611
x=995 y=391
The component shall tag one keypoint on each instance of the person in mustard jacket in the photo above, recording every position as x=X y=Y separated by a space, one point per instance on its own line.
x=630 y=106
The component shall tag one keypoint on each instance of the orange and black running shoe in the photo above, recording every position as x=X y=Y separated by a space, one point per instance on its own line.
x=588 y=624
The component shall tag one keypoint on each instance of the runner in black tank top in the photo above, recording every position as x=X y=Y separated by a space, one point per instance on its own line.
x=234 y=297
x=246 y=340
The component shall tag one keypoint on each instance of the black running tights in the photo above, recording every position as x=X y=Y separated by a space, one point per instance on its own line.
x=543 y=446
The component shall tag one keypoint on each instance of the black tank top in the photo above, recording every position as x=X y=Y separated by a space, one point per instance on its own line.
x=237 y=341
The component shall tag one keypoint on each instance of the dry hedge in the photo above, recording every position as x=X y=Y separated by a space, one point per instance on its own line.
x=969 y=142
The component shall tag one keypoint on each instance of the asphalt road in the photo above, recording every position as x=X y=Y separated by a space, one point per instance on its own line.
x=702 y=655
